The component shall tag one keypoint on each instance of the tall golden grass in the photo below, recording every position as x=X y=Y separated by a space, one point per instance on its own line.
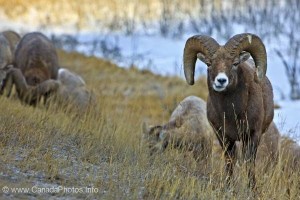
x=109 y=15
x=102 y=147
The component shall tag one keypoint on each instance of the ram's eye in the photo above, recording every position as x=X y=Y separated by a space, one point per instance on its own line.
x=235 y=65
x=208 y=64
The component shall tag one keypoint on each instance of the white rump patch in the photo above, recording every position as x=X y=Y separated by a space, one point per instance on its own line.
x=249 y=38
x=70 y=78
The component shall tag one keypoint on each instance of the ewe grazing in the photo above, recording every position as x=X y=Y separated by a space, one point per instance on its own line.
x=72 y=89
x=187 y=128
x=240 y=101
x=35 y=68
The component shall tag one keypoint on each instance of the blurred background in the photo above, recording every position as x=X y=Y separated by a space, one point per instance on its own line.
x=151 y=35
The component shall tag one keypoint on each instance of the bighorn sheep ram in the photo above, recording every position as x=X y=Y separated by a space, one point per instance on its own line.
x=35 y=67
x=187 y=128
x=8 y=43
x=240 y=101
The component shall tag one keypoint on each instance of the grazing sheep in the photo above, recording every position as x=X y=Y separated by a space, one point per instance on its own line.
x=13 y=39
x=72 y=89
x=187 y=128
x=240 y=101
x=37 y=60
x=8 y=42
x=36 y=57
x=27 y=93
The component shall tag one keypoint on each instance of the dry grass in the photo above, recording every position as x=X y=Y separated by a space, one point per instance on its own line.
x=102 y=148
x=86 y=14
x=125 y=15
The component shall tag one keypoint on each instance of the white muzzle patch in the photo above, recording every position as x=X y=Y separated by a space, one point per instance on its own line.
x=220 y=82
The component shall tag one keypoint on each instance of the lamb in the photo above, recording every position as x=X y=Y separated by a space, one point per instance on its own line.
x=8 y=43
x=187 y=128
x=73 y=89
x=240 y=103
x=37 y=60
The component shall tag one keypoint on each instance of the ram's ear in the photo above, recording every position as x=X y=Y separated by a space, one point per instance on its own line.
x=244 y=56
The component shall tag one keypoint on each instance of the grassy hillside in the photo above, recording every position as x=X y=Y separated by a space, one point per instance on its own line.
x=102 y=148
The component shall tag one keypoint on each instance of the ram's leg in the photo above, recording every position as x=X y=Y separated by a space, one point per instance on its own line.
x=8 y=86
x=250 y=146
x=229 y=160
x=229 y=150
x=17 y=78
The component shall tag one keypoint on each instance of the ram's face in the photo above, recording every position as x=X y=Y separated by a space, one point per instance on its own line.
x=152 y=139
x=222 y=70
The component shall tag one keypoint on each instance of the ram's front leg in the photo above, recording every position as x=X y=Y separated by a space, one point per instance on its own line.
x=229 y=149
x=250 y=145
x=17 y=78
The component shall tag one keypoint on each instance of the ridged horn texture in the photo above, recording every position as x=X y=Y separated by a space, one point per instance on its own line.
x=252 y=44
x=197 y=44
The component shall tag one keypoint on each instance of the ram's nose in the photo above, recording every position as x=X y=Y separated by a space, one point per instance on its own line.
x=222 y=81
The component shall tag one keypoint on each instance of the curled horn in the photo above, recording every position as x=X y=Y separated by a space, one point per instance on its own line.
x=194 y=45
x=252 y=44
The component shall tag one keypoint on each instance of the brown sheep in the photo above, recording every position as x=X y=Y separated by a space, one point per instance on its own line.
x=13 y=39
x=37 y=60
x=8 y=42
x=187 y=128
x=240 y=101
x=36 y=57
x=31 y=94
